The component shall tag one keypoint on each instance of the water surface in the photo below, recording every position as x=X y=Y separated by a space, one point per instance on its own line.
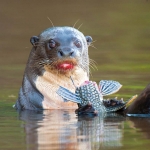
x=121 y=31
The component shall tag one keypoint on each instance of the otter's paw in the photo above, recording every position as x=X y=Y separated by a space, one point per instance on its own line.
x=86 y=110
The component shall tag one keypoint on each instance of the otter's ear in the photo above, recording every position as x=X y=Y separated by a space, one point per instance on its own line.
x=34 y=40
x=89 y=40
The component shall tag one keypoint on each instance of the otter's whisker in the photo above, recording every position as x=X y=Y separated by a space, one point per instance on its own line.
x=93 y=41
x=93 y=63
x=80 y=26
x=92 y=60
x=75 y=23
x=92 y=67
x=50 y=21
x=92 y=46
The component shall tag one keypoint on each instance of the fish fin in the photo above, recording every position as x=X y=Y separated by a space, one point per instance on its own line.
x=108 y=87
x=68 y=95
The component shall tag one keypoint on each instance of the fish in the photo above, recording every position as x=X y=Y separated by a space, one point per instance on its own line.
x=91 y=93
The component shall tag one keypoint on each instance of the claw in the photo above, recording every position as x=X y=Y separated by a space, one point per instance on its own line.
x=122 y=100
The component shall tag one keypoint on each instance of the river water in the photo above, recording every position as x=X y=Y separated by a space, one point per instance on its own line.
x=121 y=34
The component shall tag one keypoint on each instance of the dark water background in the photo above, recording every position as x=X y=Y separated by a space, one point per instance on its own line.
x=121 y=31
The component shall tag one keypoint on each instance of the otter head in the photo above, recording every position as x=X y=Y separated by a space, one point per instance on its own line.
x=61 y=49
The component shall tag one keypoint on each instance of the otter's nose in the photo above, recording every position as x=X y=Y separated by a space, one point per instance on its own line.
x=66 y=52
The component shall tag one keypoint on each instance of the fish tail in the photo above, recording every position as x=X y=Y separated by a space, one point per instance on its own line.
x=108 y=87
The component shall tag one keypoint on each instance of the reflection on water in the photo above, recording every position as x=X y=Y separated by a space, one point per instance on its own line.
x=58 y=129
x=143 y=124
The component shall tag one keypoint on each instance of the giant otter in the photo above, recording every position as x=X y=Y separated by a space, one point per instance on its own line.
x=57 y=54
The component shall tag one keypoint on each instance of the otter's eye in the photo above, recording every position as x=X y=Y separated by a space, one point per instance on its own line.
x=78 y=43
x=52 y=44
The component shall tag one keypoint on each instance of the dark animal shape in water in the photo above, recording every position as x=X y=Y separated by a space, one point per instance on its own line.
x=141 y=106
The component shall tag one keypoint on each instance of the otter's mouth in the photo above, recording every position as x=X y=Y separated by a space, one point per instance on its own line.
x=65 y=65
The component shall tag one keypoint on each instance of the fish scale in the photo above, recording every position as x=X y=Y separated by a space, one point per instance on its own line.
x=89 y=94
